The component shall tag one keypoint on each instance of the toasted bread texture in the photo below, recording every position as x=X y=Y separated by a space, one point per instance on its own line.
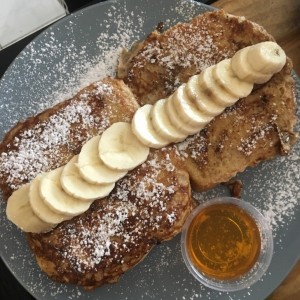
x=147 y=206
x=155 y=67
x=48 y=140
x=257 y=128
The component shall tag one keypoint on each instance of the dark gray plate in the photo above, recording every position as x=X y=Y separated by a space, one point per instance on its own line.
x=81 y=48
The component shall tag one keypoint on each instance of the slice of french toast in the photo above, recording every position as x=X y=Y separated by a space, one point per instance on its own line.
x=255 y=129
x=50 y=139
x=147 y=206
x=155 y=67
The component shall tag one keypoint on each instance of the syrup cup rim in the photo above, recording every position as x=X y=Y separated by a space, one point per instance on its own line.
x=263 y=260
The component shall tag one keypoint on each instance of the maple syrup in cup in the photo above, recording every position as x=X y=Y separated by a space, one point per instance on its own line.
x=227 y=244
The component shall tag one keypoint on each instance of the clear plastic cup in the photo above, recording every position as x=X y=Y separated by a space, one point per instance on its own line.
x=259 y=267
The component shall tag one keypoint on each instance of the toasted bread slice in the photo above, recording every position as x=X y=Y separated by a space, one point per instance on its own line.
x=155 y=67
x=50 y=139
x=257 y=128
x=147 y=206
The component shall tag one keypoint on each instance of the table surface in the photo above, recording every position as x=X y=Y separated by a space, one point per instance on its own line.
x=283 y=24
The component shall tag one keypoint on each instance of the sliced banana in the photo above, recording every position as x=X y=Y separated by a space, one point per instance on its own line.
x=40 y=208
x=266 y=57
x=143 y=129
x=120 y=149
x=203 y=98
x=57 y=199
x=91 y=167
x=187 y=110
x=73 y=184
x=213 y=90
x=19 y=211
x=69 y=191
x=244 y=71
x=177 y=121
x=224 y=77
x=162 y=125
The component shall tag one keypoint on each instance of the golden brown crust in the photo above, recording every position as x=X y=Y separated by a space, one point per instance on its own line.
x=148 y=206
x=156 y=66
x=51 y=138
x=257 y=128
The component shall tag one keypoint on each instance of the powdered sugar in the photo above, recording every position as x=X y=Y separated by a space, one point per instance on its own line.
x=123 y=224
x=81 y=241
x=70 y=63
x=42 y=146
x=248 y=145
x=31 y=85
x=33 y=144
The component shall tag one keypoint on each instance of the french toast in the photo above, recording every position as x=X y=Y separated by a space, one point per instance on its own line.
x=155 y=67
x=146 y=207
x=255 y=129
x=50 y=139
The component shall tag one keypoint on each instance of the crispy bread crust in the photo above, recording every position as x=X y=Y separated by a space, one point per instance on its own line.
x=148 y=206
x=255 y=129
x=155 y=67
x=51 y=138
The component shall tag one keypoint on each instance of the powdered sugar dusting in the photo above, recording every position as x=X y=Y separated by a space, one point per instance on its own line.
x=30 y=159
x=128 y=222
x=23 y=93
x=81 y=241
x=43 y=145
x=104 y=63
x=195 y=149
x=272 y=186
x=70 y=64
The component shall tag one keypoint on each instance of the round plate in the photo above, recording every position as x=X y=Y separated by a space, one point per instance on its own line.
x=80 y=49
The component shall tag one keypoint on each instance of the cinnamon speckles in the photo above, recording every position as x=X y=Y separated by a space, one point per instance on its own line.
x=49 y=140
x=142 y=209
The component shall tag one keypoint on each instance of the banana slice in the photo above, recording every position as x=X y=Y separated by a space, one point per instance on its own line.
x=213 y=90
x=243 y=70
x=203 y=98
x=73 y=184
x=39 y=207
x=266 y=57
x=120 y=149
x=91 y=167
x=162 y=125
x=187 y=110
x=177 y=121
x=224 y=77
x=19 y=211
x=57 y=199
x=143 y=129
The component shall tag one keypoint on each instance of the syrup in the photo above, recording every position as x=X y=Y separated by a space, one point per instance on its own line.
x=223 y=241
